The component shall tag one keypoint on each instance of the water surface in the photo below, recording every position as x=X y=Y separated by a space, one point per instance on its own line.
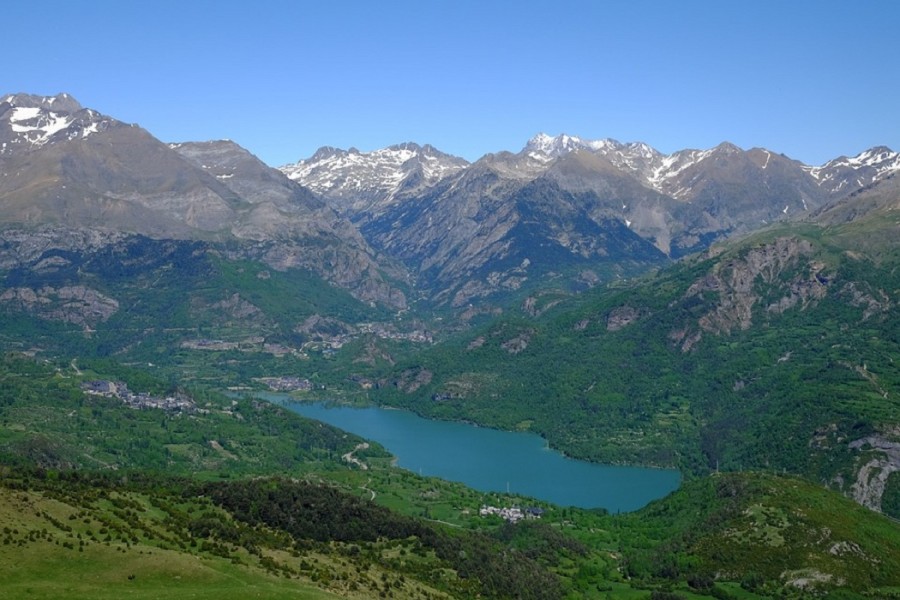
x=493 y=460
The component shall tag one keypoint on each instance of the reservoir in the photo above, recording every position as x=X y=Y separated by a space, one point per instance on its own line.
x=493 y=461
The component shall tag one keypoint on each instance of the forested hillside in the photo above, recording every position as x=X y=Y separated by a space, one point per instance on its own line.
x=776 y=352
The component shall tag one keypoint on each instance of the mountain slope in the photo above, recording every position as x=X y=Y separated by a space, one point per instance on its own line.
x=446 y=229
x=776 y=536
x=360 y=185
x=72 y=168
x=482 y=234
x=775 y=351
x=90 y=170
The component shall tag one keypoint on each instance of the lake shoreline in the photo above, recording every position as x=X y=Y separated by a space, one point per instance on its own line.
x=489 y=459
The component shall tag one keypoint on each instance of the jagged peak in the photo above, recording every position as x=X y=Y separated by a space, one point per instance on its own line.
x=394 y=153
x=728 y=148
x=877 y=155
x=62 y=103
x=563 y=143
x=411 y=146
x=326 y=152
x=874 y=155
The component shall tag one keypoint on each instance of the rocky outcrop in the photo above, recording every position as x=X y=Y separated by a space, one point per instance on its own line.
x=238 y=308
x=622 y=316
x=411 y=380
x=48 y=248
x=777 y=274
x=518 y=343
x=29 y=246
x=873 y=302
x=323 y=326
x=70 y=304
x=352 y=270
x=535 y=306
x=883 y=458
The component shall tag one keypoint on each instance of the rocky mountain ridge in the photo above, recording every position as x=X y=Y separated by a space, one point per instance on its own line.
x=359 y=184
x=563 y=211
x=69 y=168
x=447 y=230
x=336 y=173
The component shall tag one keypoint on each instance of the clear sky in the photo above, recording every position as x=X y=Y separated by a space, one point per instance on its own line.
x=811 y=79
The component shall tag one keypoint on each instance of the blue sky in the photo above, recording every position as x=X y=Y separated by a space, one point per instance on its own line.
x=811 y=79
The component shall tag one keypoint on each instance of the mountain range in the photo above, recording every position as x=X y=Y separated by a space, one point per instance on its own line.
x=708 y=310
x=473 y=230
x=409 y=217
x=66 y=167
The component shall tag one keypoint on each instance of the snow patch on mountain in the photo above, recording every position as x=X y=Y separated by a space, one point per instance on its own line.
x=364 y=179
x=37 y=127
x=29 y=122
x=863 y=169
x=545 y=148
x=657 y=171
x=668 y=170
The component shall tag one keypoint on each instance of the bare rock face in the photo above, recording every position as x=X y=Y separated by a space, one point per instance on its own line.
x=412 y=379
x=353 y=270
x=518 y=343
x=622 y=317
x=237 y=307
x=736 y=284
x=322 y=326
x=872 y=476
x=873 y=302
x=771 y=278
x=21 y=246
x=71 y=304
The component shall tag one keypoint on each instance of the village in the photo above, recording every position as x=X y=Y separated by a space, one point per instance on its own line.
x=140 y=401
x=286 y=384
x=512 y=514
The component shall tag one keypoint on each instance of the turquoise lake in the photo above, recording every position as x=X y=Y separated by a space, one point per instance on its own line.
x=491 y=460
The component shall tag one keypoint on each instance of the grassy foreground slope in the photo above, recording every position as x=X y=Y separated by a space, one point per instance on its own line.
x=741 y=535
x=42 y=561
x=93 y=543
x=770 y=534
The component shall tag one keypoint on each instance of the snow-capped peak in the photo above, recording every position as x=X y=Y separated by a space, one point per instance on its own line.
x=847 y=173
x=28 y=121
x=545 y=147
x=356 y=176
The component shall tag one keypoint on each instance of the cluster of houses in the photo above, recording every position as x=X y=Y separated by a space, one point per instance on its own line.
x=512 y=514
x=140 y=401
x=286 y=384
